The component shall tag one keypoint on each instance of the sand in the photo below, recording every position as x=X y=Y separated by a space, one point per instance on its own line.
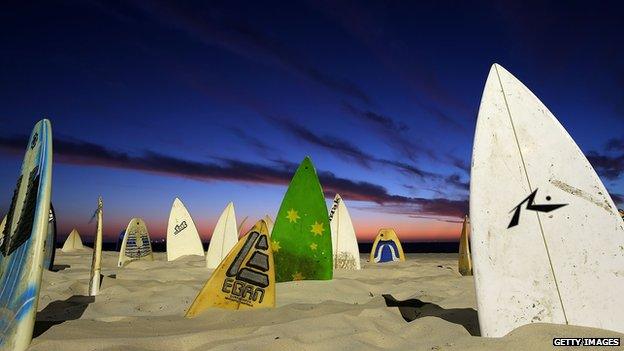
x=141 y=307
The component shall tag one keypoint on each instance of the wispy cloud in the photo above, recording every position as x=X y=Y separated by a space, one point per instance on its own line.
x=610 y=162
x=456 y=181
x=390 y=131
x=618 y=199
x=615 y=144
x=365 y=24
x=346 y=150
x=260 y=146
x=73 y=151
x=610 y=167
x=238 y=37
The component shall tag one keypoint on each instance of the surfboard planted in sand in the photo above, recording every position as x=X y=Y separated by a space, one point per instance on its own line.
x=224 y=237
x=182 y=236
x=387 y=247
x=24 y=235
x=465 y=263
x=269 y=222
x=96 y=260
x=136 y=244
x=301 y=238
x=546 y=238
x=344 y=242
x=245 y=279
x=73 y=242
x=50 y=243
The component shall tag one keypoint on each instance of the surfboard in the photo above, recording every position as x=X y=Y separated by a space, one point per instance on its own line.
x=182 y=236
x=464 y=263
x=387 y=247
x=546 y=238
x=50 y=243
x=344 y=242
x=2 y=224
x=21 y=252
x=122 y=233
x=301 y=238
x=73 y=242
x=224 y=237
x=244 y=280
x=96 y=259
x=241 y=227
x=136 y=244
x=269 y=222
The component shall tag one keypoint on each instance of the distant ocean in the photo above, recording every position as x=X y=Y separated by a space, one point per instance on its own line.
x=408 y=247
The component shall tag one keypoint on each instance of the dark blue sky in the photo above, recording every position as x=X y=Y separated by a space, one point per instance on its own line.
x=217 y=102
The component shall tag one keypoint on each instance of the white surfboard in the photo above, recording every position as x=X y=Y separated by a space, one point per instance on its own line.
x=224 y=237
x=96 y=259
x=73 y=242
x=2 y=224
x=546 y=237
x=22 y=248
x=182 y=236
x=269 y=222
x=136 y=244
x=344 y=242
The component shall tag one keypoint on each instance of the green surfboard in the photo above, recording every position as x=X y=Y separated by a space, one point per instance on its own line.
x=301 y=237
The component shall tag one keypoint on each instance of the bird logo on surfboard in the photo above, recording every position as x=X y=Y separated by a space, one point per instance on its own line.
x=531 y=206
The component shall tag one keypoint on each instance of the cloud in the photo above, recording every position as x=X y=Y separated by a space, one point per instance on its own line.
x=391 y=132
x=615 y=144
x=366 y=25
x=340 y=147
x=238 y=37
x=346 y=150
x=455 y=180
x=78 y=152
x=385 y=122
x=610 y=167
x=459 y=163
x=261 y=147
x=618 y=199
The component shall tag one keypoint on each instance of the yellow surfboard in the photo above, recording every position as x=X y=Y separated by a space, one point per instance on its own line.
x=245 y=279
x=465 y=263
x=387 y=247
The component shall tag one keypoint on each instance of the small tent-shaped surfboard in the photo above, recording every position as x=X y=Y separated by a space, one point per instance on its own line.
x=136 y=244
x=182 y=236
x=387 y=247
x=301 y=236
x=50 y=244
x=73 y=242
x=24 y=235
x=245 y=279
x=224 y=237
x=465 y=262
x=344 y=242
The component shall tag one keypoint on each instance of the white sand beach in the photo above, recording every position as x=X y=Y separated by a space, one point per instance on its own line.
x=141 y=307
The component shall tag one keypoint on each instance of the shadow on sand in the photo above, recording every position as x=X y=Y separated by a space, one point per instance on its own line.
x=59 y=267
x=413 y=309
x=57 y=312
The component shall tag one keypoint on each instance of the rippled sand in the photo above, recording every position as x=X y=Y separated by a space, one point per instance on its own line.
x=420 y=304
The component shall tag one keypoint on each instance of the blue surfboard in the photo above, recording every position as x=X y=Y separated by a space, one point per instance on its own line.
x=22 y=249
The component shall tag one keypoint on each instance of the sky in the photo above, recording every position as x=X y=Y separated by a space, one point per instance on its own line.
x=220 y=101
